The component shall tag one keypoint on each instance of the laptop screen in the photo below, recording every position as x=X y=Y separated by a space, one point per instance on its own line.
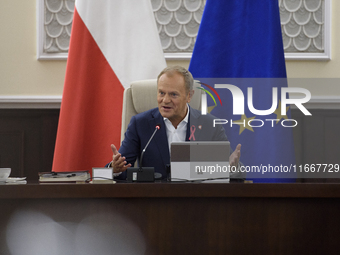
x=200 y=160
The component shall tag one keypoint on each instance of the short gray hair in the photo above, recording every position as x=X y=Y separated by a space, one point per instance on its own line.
x=188 y=79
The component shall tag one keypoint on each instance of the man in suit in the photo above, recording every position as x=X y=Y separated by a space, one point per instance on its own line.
x=178 y=122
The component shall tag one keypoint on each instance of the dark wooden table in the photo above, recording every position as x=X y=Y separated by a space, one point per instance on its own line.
x=168 y=218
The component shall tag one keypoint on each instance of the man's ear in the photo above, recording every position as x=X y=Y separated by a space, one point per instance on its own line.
x=191 y=93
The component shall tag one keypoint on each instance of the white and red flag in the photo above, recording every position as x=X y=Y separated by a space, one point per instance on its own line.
x=113 y=43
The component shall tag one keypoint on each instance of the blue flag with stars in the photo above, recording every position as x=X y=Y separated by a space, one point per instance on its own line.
x=239 y=42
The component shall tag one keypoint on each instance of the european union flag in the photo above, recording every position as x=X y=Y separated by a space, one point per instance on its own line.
x=240 y=43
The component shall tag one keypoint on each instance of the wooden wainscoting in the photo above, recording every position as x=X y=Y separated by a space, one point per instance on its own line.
x=317 y=139
x=27 y=139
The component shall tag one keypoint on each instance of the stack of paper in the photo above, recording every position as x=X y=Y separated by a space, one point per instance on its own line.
x=16 y=180
x=75 y=177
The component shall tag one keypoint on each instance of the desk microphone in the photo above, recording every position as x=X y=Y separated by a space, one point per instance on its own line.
x=143 y=174
x=158 y=127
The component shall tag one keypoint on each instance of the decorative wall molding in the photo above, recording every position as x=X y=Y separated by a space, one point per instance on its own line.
x=322 y=102
x=54 y=23
x=178 y=22
x=54 y=102
x=30 y=102
x=306 y=27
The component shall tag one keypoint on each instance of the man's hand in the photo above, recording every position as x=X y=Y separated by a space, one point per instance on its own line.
x=235 y=156
x=118 y=162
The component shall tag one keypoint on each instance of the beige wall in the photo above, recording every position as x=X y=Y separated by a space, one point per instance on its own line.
x=21 y=74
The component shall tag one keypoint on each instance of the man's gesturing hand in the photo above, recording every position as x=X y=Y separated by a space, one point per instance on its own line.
x=235 y=156
x=118 y=162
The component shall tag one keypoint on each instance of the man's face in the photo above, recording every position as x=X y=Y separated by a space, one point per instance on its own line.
x=172 y=97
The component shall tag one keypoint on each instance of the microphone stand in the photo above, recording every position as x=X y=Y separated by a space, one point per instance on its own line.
x=146 y=146
x=140 y=174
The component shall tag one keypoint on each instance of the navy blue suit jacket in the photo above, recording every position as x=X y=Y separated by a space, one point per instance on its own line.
x=157 y=154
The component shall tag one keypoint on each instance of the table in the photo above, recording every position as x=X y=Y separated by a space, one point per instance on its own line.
x=170 y=218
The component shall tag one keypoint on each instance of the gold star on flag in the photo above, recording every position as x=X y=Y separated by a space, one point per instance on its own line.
x=210 y=108
x=243 y=122
x=278 y=113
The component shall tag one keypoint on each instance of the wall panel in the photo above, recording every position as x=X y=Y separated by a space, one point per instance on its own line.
x=27 y=139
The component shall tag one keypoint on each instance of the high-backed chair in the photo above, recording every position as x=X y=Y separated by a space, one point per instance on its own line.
x=142 y=96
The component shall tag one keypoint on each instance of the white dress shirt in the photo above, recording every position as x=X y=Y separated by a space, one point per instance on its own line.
x=176 y=134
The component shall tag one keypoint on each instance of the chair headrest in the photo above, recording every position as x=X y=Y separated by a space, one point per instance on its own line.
x=144 y=94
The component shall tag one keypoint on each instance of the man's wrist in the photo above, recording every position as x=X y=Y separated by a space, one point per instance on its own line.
x=116 y=174
x=110 y=164
x=113 y=171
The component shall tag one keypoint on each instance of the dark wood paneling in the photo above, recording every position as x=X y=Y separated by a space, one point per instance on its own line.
x=12 y=151
x=317 y=137
x=27 y=139
x=317 y=140
x=169 y=189
x=332 y=139
x=170 y=219
x=298 y=138
x=49 y=131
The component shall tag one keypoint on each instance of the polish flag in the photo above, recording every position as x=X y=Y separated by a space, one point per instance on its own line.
x=113 y=42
